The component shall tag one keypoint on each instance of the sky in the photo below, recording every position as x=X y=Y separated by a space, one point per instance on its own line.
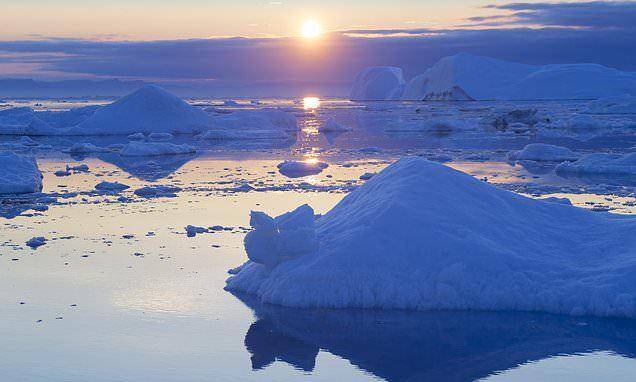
x=244 y=42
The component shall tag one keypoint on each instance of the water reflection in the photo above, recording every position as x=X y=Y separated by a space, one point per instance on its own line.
x=418 y=346
x=311 y=103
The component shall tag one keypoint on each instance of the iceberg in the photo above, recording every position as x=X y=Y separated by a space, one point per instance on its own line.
x=468 y=77
x=423 y=236
x=378 y=83
x=19 y=174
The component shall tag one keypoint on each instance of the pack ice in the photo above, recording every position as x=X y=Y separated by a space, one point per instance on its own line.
x=19 y=174
x=468 y=77
x=420 y=235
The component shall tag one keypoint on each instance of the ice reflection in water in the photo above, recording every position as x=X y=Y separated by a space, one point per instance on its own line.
x=436 y=346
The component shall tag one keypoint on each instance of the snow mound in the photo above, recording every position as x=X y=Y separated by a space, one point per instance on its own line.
x=601 y=164
x=294 y=169
x=420 y=235
x=142 y=149
x=624 y=104
x=541 y=152
x=378 y=83
x=19 y=174
x=465 y=77
x=331 y=126
x=147 y=110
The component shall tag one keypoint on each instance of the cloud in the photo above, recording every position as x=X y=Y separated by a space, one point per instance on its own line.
x=591 y=15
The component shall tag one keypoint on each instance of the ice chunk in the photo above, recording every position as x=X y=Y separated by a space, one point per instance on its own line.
x=19 y=174
x=159 y=191
x=294 y=169
x=378 y=83
x=192 y=231
x=111 y=186
x=36 y=242
x=541 y=152
x=331 y=126
x=139 y=149
x=601 y=164
x=420 y=235
x=286 y=237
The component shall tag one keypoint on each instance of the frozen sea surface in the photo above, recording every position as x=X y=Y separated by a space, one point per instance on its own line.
x=119 y=292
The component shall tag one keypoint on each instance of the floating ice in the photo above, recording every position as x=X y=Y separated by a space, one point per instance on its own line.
x=294 y=169
x=111 y=186
x=541 y=152
x=158 y=191
x=36 y=242
x=420 y=235
x=623 y=104
x=192 y=231
x=465 y=76
x=378 y=83
x=601 y=164
x=331 y=126
x=19 y=174
x=158 y=137
x=140 y=149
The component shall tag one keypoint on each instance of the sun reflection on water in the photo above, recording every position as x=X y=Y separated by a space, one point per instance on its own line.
x=311 y=103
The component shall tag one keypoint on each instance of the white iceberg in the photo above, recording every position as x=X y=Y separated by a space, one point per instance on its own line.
x=601 y=164
x=467 y=77
x=420 y=235
x=542 y=152
x=142 y=149
x=19 y=174
x=378 y=83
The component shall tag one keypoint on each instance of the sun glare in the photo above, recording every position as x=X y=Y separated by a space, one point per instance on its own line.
x=311 y=29
x=311 y=103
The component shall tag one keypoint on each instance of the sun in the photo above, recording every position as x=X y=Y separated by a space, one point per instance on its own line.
x=311 y=29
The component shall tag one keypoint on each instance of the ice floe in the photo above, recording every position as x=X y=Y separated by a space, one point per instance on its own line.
x=601 y=164
x=420 y=235
x=297 y=169
x=542 y=152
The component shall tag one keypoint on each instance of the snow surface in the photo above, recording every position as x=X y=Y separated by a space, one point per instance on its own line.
x=19 y=174
x=378 y=83
x=294 y=169
x=465 y=77
x=602 y=164
x=140 y=149
x=420 y=235
x=542 y=152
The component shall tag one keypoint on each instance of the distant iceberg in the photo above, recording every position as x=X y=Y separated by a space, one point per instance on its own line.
x=468 y=77
x=422 y=236
x=378 y=83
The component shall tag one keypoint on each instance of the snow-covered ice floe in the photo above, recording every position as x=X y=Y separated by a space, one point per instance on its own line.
x=542 y=152
x=295 y=169
x=19 y=174
x=601 y=164
x=378 y=83
x=420 y=235
x=140 y=149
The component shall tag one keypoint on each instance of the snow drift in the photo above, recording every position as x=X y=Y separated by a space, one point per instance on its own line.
x=465 y=77
x=19 y=174
x=420 y=235
x=378 y=83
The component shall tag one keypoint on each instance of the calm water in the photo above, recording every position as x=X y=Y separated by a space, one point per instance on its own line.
x=120 y=293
